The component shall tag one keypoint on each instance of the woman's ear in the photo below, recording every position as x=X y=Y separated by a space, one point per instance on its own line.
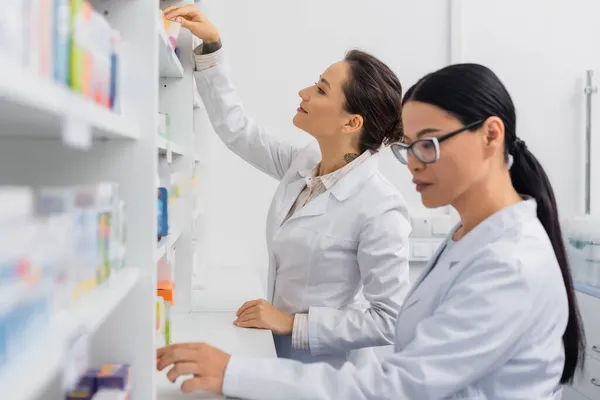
x=493 y=133
x=354 y=124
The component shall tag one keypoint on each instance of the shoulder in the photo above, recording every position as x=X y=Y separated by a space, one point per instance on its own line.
x=522 y=255
x=382 y=210
x=517 y=271
x=381 y=194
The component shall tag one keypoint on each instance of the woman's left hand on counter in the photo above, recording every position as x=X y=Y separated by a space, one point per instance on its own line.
x=262 y=315
x=205 y=362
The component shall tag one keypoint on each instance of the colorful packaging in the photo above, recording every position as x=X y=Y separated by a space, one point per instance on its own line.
x=86 y=387
x=160 y=322
x=115 y=72
x=44 y=25
x=87 y=238
x=109 y=217
x=114 y=376
x=166 y=290
x=61 y=44
x=172 y=29
x=81 y=58
x=99 y=47
x=163 y=212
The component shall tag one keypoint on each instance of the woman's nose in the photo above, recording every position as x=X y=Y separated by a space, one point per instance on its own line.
x=413 y=163
x=303 y=93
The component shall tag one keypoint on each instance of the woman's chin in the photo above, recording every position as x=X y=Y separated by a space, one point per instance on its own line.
x=298 y=121
x=431 y=200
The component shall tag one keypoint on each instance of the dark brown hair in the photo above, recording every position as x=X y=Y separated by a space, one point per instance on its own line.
x=374 y=91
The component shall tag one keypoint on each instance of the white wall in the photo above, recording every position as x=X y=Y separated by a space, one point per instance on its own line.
x=539 y=48
x=275 y=48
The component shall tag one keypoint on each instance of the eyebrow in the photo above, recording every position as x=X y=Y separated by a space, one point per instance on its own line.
x=426 y=131
x=325 y=81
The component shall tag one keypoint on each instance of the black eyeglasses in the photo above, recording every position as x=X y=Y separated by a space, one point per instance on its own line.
x=427 y=150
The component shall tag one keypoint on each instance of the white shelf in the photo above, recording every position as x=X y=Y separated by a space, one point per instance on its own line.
x=46 y=354
x=169 y=64
x=161 y=248
x=164 y=146
x=167 y=241
x=32 y=106
x=94 y=307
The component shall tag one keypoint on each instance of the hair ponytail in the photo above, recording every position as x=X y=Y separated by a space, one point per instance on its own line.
x=472 y=92
x=529 y=178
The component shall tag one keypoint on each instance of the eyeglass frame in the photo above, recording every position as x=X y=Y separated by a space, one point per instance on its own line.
x=435 y=140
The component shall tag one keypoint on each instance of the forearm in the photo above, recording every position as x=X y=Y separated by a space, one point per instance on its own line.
x=269 y=153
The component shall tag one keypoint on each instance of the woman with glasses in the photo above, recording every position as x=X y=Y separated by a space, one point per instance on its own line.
x=494 y=315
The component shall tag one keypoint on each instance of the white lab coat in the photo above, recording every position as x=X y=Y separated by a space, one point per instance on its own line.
x=485 y=323
x=349 y=243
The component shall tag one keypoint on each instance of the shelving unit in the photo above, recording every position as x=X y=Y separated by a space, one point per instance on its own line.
x=118 y=316
x=47 y=353
x=165 y=146
x=167 y=241
x=24 y=95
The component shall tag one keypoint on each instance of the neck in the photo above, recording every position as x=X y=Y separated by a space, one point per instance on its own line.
x=334 y=156
x=483 y=199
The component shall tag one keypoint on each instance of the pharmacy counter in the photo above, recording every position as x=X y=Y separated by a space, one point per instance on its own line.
x=217 y=329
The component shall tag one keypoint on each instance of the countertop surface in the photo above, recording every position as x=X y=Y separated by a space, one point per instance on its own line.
x=212 y=322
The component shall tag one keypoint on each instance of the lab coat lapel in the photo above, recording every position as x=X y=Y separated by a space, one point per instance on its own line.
x=430 y=264
x=318 y=206
x=292 y=191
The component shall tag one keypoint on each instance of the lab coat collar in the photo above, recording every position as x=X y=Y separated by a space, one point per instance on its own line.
x=304 y=171
x=346 y=187
x=487 y=231
x=353 y=181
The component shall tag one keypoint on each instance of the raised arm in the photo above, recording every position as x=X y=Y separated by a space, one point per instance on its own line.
x=239 y=132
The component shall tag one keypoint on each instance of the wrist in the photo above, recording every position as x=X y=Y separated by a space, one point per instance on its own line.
x=290 y=324
x=209 y=47
x=216 y=38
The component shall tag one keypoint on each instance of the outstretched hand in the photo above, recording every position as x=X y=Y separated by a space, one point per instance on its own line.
x=206 y=363
x=193 y=19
